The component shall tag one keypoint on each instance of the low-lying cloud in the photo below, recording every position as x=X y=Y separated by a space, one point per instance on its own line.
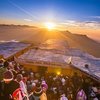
x=28 y=20
x=83 y=24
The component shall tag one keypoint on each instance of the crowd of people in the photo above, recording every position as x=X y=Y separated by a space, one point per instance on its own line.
x=17 y=83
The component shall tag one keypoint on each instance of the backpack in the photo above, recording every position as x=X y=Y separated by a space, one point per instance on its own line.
x=32 y=97
x=17 y=94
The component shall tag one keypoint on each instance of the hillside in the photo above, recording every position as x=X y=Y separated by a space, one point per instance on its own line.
x=84 y=43
x=36 y=35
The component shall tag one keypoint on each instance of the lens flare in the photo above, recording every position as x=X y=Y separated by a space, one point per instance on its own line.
x=50 y=25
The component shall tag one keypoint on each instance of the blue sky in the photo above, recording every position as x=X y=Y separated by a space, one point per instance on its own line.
x=77 y=16
x=58 y=10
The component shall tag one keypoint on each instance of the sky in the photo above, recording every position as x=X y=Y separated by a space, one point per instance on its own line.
x=77 y=16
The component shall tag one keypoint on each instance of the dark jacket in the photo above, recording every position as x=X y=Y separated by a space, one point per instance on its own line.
x=7 y=89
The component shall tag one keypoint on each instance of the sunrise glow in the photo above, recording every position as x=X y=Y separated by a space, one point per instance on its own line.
x=50 y=25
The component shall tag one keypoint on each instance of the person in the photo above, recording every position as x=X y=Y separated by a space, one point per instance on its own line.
x=1 y=62
x=38 y=94
x=8 y=86
x=94 y=92
x=44 y=86
x=81 y=94
x=63 y=97
x=77 y=81
x=6 y=64
x=23 y=87
x=2 y=70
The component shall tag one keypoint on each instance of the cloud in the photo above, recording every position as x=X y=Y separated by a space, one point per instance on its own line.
x=29 y=20
x=92 y=24
x=82 y=24
x=70 y=23
x=97 y=17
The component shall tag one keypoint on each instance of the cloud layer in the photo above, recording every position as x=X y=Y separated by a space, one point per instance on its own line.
x=29 y=20
x=82 y=24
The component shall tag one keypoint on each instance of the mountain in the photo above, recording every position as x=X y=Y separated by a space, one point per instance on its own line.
x=37 y=35
x=84 y=43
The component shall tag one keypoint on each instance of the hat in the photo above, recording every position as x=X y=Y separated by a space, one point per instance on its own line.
x=8 y=76
x=44 y=85
x=43 y=82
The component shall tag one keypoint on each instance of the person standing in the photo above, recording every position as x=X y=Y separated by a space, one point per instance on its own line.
x=23 y=87
x=8 y=86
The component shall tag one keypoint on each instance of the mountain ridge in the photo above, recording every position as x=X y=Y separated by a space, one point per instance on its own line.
x=36 y=35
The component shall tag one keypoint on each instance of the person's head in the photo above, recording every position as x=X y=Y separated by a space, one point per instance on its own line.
x=6 y=64
x=8 y=76
x=38 y=89
x=1 y=61
x=62 y=94
x=86 y=66
x=44 y=86
x=19 y=77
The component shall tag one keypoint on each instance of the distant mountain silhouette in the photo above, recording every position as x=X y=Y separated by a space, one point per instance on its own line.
x=36 y=35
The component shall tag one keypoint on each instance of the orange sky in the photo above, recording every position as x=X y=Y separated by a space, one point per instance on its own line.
x=92 y=29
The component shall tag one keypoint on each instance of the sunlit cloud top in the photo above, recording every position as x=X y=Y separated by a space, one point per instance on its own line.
x=83 y=24
x=29 y=20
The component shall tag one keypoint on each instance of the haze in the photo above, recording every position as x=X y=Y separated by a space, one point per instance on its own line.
x=77 y=16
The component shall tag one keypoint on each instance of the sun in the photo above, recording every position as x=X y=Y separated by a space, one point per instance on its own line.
x=50 y=25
